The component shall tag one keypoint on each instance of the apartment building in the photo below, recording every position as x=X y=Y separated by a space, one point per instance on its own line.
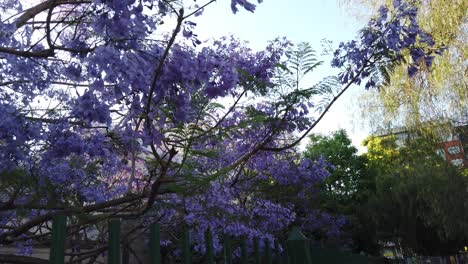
x=453 y=146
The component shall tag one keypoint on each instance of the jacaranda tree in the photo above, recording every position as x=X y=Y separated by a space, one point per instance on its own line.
x=104 y=114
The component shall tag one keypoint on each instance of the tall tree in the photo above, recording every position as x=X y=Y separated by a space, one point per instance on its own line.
x=420 y=200
x=348 y=187
x=347 y=180
x=436 y=95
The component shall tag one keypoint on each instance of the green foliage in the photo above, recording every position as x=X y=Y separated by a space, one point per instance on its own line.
x=347 y=181
x=303 y=60
x=405 y=194
x=420 y=200
x=348 y=187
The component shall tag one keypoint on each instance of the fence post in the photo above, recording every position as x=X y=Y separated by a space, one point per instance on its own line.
x=298 y=247
x=227 y=249
x=267 y=249
x=59 y=230
x=186 y=254
x=155 y=243
x=113 y=256
x=256 y=244
x=244 y=254
x=209 y=247
x=277 y=253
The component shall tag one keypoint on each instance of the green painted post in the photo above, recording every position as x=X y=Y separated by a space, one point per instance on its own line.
x=209 y=247
x=244 y=254
x=268 y=258
x=227 y=249
x=257 y=258
x=59 y=232
x=298 y=248
x=155 y=243
x=186 y=254
x=113 y=256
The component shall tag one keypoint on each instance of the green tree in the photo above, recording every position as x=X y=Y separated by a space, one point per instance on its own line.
x=347 y=188
x=420 y=200
x=347 y=180
x=405 y=194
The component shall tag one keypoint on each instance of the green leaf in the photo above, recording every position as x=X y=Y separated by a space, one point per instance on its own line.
x=209 y=153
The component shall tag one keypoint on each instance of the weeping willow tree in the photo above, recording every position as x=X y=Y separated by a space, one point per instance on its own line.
x=435 y=97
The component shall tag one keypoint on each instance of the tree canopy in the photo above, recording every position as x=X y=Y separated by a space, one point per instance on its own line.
x=348 y=187
x=436 y=95
x=405 y=194
x=347 y=180
x=420 y=200
x=104 y=114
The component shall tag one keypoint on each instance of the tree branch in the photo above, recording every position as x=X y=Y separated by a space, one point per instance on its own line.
x=28 y=54
x=9 y=258
x=35 y=10
x=297 y=141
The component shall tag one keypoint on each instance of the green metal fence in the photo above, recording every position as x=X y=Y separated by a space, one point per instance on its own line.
x=297 y=248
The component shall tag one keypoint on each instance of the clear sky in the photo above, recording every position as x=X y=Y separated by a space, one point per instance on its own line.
x=298 y=20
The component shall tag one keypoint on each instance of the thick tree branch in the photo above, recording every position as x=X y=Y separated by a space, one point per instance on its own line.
x=9 y=258
x=28 y=54
x=35 y=10
x=159 y=68
x=6 y=237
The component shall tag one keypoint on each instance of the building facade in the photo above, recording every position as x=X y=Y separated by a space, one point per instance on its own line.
x=453 y=146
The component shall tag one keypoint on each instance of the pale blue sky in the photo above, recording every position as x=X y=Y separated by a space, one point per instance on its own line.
x=298 y=20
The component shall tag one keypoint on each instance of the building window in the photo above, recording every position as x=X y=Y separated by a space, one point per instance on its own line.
x=457 y=162
x=441 y=153
x=453 y=150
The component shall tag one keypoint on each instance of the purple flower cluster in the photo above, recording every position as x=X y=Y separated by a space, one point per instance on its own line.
x=326 y=227
x=90 y=109
x=101 y=108
x=80 y=164
x=228 y=210
x=244 y=3
x=125 y=20
x=15 y=135
x=382 y=44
